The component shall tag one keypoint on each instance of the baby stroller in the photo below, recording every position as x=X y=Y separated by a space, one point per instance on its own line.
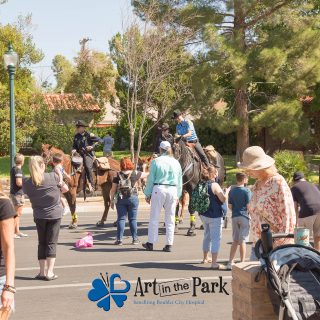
x=293 y=274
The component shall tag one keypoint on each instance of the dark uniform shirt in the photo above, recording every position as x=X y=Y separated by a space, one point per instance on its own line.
x=164 y=137
x=81 y=141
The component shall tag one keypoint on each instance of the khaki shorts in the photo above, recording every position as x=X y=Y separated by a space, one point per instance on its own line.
x=17 y=199
x=240 y=229
x=312 y=223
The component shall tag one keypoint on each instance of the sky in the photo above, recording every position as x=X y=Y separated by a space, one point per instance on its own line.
x=59 y=25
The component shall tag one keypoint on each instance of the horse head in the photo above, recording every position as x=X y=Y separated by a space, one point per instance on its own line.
x=46 y=153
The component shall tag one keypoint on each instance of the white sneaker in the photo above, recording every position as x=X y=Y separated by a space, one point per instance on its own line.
x=65 y=211
x=22 y=235
x=16 y=236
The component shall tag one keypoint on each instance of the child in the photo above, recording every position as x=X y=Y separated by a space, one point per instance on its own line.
x=16 y=193
x=239 y=197
x=59 y=170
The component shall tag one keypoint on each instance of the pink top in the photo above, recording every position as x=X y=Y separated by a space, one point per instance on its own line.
x=272 y=203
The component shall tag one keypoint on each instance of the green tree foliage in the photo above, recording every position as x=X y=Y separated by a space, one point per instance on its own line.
x=251 y=53
x=288 y=162
x=93 y=73
x=62 y=70
x=25 y=86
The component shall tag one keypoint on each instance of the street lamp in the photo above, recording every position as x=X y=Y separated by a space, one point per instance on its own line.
x=10 y=62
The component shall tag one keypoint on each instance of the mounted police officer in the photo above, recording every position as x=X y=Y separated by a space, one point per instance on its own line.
x=185 y=131
x=164 y=135
x=84 y=144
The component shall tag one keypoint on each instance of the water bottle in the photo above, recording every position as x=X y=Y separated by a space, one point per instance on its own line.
x=266 y=238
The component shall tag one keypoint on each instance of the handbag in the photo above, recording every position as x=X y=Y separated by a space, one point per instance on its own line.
x=5 y=313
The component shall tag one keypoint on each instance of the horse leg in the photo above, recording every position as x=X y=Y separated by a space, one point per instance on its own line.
x=105 y=187
x=71 y=199
x=176 y=226
x=191 y=230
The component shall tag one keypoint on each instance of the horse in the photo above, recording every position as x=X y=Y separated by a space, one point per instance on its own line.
x=104 y=177
x=191 y=170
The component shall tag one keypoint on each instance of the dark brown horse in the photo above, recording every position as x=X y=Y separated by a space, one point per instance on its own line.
x=102 y=178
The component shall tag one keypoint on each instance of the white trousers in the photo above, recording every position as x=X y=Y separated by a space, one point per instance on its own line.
x=162 y=197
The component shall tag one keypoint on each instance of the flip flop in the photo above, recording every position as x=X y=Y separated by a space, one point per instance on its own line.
x=38 y=277
x=219 y=267
x=54 y=277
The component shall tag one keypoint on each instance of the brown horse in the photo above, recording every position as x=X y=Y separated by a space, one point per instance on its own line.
x=103 y=177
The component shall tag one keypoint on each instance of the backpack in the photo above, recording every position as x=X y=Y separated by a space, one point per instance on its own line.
x=125 y=185
x=200 y=198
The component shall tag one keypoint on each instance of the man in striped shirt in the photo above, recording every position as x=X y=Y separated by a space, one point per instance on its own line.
x=185 y=130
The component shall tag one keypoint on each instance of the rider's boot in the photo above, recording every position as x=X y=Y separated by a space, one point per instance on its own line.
x=191 y=230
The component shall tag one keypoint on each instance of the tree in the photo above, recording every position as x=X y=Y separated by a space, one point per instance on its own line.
x=151 y=62
x=250 y=42
x=25 y=86
x=62 y=70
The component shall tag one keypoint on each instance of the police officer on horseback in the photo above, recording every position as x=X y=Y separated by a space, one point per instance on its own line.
x=84 y=144
x=185 y=131
x=164 y=135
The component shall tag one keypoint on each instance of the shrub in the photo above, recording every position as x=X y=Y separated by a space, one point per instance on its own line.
x=288 y=162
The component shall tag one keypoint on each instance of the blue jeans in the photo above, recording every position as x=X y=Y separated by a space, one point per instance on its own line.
x=212 y=234
x=127 y=206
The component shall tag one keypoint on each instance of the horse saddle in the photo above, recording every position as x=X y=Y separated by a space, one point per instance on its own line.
x=102 y=163
x=77 y=161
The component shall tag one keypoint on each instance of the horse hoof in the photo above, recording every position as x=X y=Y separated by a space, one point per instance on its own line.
x=115 y=223
x=201 y=227
x=73 y=226
x=191 y=232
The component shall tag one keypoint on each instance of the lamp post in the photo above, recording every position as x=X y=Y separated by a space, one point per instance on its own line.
x=10 y=62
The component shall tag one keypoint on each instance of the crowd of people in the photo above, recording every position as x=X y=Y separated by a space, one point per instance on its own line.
x=269 y=200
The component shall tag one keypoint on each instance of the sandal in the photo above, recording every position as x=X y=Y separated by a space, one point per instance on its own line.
x=206 y=261
x=53 y=277
x=219 y=267
x=39 y=277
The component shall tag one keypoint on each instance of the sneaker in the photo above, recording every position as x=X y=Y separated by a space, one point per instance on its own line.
x=148 y=246
x=167 y=248
x=22 y=235
x=229 y=265
x=118 y=243
x=136 y=241
x=16 y=236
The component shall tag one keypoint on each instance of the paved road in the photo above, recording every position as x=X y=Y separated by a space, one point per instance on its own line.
x=66 y=297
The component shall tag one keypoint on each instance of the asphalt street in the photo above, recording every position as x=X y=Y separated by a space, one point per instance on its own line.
x=184 y=288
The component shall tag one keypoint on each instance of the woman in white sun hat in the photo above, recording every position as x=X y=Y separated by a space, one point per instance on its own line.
x=271 y=200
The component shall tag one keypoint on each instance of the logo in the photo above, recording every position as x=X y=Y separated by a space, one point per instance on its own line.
x=103 y=290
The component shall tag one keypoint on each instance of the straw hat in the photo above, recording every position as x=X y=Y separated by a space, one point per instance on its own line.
x=254 y=158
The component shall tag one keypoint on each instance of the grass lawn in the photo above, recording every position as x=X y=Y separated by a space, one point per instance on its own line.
x=230 y=164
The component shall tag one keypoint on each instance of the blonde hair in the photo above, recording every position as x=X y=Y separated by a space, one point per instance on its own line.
x=209 y=173
x=19 y=158
x=36 y=168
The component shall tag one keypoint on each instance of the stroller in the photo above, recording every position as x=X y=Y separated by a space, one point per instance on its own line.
x=293 y=274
